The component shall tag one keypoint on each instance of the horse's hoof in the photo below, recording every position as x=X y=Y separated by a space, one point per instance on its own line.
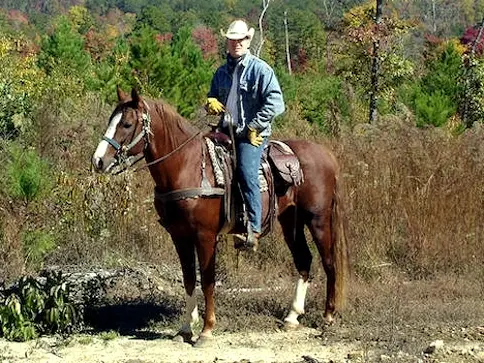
x=183 y=337
x=290 y=326
x=328 y=320
x=204 y=341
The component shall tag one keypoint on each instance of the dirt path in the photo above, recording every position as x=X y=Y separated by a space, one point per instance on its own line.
x=303 y=345
x=391 y=321
x=253 y=347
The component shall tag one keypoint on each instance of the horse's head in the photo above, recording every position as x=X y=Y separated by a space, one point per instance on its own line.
x=126 y=137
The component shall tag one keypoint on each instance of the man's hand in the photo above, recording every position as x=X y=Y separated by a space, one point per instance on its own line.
x=254 y=138
x=214 y=106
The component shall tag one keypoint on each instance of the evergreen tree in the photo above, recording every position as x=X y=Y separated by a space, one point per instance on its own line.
x=173 y=69
x=64 y=49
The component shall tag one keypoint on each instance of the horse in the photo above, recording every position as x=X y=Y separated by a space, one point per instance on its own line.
x=175 y=151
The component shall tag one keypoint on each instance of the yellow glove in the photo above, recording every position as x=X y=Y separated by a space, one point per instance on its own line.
x=254 y=138
x=214 y=106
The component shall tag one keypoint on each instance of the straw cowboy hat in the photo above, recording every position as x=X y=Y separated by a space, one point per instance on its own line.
x=237 y=30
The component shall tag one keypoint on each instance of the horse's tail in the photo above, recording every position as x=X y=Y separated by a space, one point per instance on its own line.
x=340 y=249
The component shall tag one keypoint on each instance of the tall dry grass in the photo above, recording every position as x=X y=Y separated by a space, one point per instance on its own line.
x=413 y=200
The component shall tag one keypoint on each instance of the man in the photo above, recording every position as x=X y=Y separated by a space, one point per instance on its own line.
x=246 y=91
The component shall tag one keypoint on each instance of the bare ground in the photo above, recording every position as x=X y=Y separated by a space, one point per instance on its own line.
x=390 y=319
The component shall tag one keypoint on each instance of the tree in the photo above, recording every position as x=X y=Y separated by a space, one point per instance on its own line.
x=80 y=19
x=64 y=48
x=175 y=70
x=306 y=37
x=265 y=6
x=375 y=64
x=437 y=95
x=21 y=84
x=205 y=38
x=157 y=17
x=354 y=57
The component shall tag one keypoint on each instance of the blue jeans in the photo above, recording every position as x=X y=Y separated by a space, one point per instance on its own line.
x=248 y=163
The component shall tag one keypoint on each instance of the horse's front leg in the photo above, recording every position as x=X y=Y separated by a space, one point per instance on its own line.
x=206 y=258
x=186 y=253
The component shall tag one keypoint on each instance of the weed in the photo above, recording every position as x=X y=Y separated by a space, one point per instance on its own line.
x=37 y=244
x=85 y=340
x=108 y=335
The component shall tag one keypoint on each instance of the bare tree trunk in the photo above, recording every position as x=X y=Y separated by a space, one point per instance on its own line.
x=375 y=63
x=265 y=4
x=288 y=54
x=434 y=18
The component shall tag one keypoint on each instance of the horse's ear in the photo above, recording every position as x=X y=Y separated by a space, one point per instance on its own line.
x=122 y=96
x=135 y=96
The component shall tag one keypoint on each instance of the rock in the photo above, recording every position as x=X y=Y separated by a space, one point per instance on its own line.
x=309 y=359
x=434 y=346
x=355 y=355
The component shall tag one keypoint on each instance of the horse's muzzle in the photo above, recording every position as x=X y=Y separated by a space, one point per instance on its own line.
x=101 y=165
x=97 y=163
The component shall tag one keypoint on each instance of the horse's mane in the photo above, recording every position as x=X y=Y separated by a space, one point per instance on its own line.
x=170 y=116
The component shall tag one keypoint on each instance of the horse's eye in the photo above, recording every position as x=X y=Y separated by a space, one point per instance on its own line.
x=127 y=125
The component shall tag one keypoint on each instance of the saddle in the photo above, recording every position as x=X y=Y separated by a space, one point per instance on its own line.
x=279 y=170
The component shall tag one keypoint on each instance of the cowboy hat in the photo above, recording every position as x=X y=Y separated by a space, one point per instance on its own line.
x=237 y=30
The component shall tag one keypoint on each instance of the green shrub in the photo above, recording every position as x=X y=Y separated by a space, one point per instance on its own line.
x=433 y=108
x=64 y=49
x=322 y=99
x=32 y=307
x=443 y=73
x=27 y=174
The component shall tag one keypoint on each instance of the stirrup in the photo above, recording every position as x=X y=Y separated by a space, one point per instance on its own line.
x=246 y=242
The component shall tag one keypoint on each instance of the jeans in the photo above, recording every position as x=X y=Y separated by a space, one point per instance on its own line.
x=248 y=163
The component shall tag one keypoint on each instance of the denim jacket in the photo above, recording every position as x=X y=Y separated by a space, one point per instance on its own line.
x=260 y=94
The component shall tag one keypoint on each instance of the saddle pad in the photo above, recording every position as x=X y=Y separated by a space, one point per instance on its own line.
x=215 y=151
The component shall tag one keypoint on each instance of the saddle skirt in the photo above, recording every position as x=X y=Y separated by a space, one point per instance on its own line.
x=279 y=170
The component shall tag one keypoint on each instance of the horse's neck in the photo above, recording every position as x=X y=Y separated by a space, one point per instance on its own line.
x=175 y=145
x=169 y=129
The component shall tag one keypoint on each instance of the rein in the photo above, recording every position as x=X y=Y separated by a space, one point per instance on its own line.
x=164 y=157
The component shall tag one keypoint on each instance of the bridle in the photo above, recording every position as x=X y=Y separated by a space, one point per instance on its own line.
x=123 y=161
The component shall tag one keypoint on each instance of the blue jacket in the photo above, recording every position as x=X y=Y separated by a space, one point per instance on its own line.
x=260 y=94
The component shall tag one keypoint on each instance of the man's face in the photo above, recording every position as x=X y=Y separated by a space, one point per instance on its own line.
x=238 y=48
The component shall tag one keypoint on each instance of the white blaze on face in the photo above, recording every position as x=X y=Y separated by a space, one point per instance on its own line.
x=297 y=307
x=103 y=145
x=190 y=317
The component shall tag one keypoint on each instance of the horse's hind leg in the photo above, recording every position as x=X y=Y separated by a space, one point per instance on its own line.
x=293 y=229
x=186 y=253
x=320 y=227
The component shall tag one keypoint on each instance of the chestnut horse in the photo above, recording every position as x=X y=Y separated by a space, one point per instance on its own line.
x=175 y=152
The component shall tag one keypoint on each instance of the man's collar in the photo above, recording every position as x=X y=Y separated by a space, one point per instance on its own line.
x=246 y=58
